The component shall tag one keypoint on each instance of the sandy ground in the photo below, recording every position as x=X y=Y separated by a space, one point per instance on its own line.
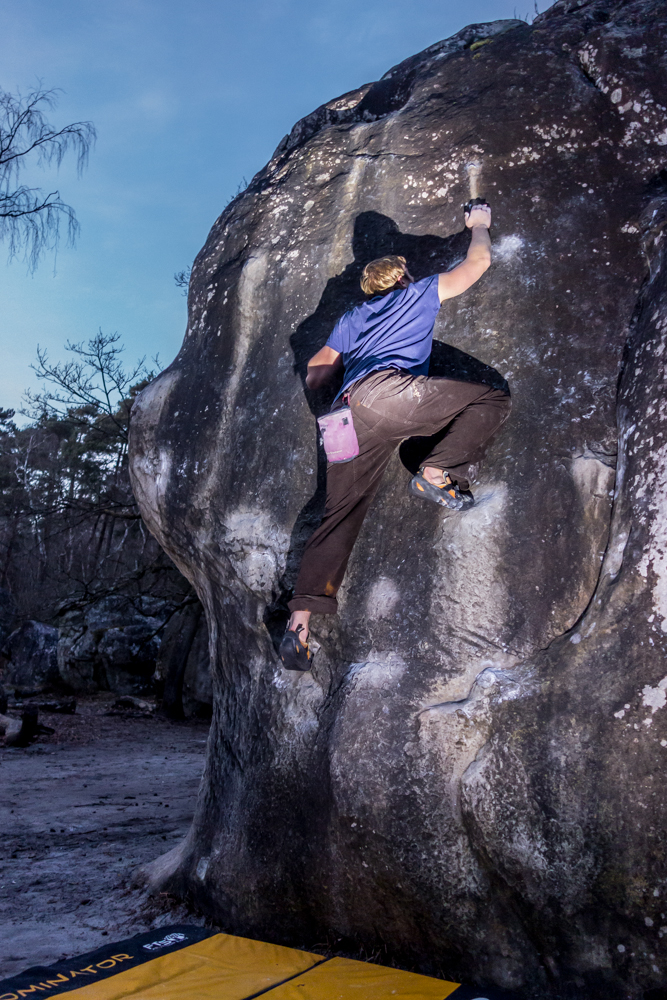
x=79 y=811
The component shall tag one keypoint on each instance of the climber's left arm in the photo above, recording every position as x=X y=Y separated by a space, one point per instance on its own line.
x=323 y=366
x=478 y=258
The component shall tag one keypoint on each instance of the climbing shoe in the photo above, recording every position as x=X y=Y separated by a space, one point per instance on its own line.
x=295 y=654
x=448 y=495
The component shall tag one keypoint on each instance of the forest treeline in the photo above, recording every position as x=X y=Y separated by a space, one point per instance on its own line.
x=74 y=552
x=70 y=528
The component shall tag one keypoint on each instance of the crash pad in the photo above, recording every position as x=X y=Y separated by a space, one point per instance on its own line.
x=176 y=962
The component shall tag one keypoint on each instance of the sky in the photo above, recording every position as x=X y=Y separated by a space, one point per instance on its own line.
x=188 y=99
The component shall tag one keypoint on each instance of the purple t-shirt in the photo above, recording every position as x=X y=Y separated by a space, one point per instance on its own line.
x=389 y=331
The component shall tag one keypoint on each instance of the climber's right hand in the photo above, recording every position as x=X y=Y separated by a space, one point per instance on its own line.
x=478 y=215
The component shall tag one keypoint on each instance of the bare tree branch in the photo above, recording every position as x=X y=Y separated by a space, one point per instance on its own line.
x=30 y=221
x=182 y=279
x=95 y=377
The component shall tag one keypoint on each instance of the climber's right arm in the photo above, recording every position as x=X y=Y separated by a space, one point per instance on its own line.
x=478 y=258
x=322 y=367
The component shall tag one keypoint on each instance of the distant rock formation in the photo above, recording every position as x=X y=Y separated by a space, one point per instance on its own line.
x=31 y=658
x=136 y=646
x=111 y=645
x=473 y=775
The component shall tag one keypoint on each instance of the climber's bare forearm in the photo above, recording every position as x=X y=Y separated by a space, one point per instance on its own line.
x=478 y=258
x=323 y=367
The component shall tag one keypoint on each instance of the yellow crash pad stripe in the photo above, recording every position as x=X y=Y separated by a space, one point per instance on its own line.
x=345 y=979
x=222 y=967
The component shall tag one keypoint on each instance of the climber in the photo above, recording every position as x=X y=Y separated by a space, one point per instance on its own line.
x=384 y=347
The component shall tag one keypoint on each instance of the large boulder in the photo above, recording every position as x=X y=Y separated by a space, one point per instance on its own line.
x=8 y=615
x=182 y=671
x=197 y=682
x=31 y=658
x=112 y=644
x=472 y=775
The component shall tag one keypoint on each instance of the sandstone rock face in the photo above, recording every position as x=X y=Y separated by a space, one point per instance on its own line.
x=472 y=776
x=31 y=654
x=197 y=686
x=182 y=673
x=8 y=615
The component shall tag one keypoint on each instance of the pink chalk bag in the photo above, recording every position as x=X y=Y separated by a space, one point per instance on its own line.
x=338 y=435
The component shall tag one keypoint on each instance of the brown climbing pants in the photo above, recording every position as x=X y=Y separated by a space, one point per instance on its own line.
x=387 y=407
